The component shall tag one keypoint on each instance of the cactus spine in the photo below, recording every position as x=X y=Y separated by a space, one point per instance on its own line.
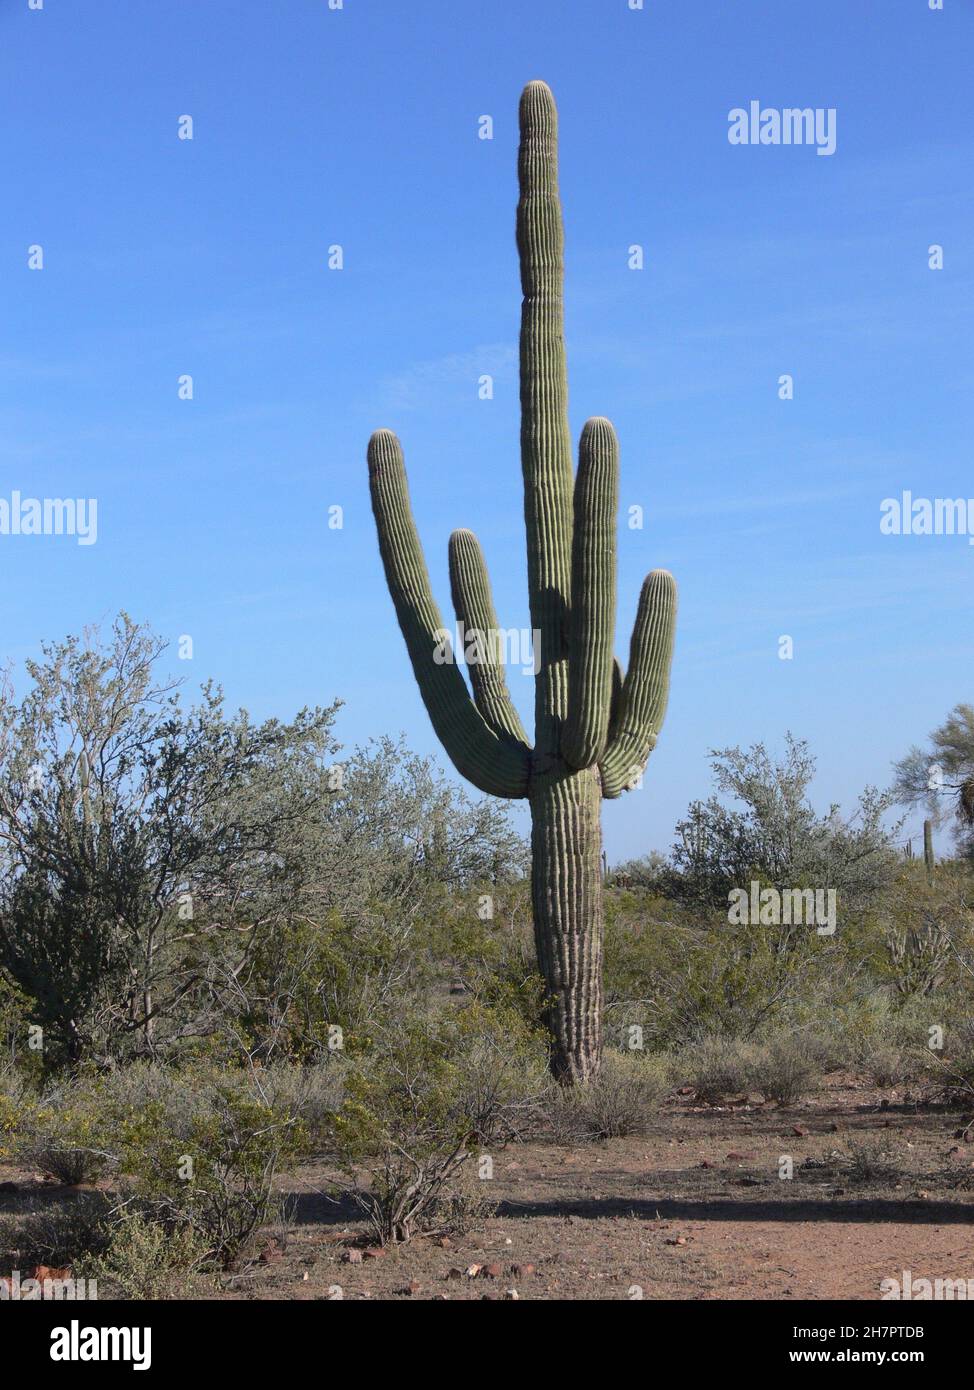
x=594 y=726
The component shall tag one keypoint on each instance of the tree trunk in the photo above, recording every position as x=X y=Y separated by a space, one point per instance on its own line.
x=566 y=887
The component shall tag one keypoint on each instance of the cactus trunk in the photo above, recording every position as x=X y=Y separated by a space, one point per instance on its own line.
x=566 y=895
x=595 y=726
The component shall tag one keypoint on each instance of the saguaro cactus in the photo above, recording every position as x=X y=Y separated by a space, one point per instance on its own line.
x=594 y=726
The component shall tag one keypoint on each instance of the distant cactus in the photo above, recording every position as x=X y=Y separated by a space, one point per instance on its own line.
x=594 y=727
x=928 y=854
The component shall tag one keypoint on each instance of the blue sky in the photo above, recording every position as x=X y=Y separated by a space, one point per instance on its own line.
x=359 y=127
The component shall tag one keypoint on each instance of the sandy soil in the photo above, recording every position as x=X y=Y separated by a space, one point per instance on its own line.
x=696 y=1210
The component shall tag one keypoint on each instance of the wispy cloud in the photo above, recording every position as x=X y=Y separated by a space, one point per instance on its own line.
x=424 y=383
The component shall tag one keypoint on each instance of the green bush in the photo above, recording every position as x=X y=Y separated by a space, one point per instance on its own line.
x=203 y=1158
x=62 y=1234
x=141 y=1258
x=64 y=1134
x=622 y=1102
x=784 y=1068
x=717 y=1067
x=425 y=1097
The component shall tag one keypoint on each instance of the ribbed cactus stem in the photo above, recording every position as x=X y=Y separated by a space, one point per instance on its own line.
x=928 y=855
x=490 y=763
x=594 y=726
x=593 y=607
x=473 y=604
x=546 y=451
x=646 y=689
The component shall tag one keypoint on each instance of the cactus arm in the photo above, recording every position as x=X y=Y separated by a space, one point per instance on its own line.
x=546 y=459
x=592 y=625
x=615 y=706
x=474 y=607
x=646 y=686
x=498 y=767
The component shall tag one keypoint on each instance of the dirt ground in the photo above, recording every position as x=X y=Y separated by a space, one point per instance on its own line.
x=697 y=1210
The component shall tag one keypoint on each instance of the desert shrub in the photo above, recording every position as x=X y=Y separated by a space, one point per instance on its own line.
x=464 y=1203
x=925 y=920
x=951 y=1071
x=895 y=1059
x=140 y=1258
x=681 y=981
x=63 y=1234
x=203 y=1158
x=761 y=824
x=428 y=1094
x=784 y=1068
x=781 y=1067
x=885 y=1063
x=866 y=1162
x=12 y=1101
x=621 y=1102
x=717 y=1067
x=195 y=1152
x=310 y=1093
x=63 y=1134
